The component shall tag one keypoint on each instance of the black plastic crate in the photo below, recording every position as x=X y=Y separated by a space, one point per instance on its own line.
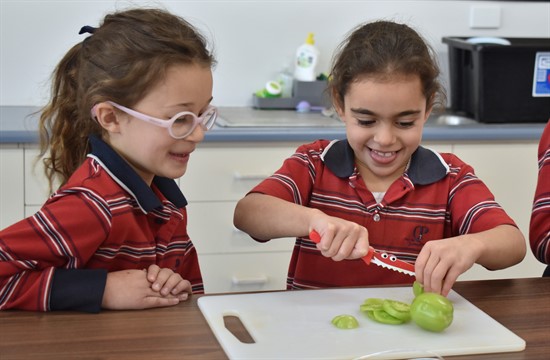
x=494 y=83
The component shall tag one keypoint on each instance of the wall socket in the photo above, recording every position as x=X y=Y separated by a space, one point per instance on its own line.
x=485 y=17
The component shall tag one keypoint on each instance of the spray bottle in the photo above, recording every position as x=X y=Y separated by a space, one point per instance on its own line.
x=307 y=57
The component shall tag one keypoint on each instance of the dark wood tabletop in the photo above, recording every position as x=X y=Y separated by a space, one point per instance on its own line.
x=181 y=332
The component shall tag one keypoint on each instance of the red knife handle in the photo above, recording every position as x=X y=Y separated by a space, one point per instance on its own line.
x=316 y=238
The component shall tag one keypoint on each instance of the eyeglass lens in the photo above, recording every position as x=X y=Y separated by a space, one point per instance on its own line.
x=185 y=123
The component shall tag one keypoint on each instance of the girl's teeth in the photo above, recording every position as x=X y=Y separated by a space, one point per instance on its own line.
x=385 y=154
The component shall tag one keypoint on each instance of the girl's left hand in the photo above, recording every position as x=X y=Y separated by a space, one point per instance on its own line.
x=441 y=262
x=167 y=282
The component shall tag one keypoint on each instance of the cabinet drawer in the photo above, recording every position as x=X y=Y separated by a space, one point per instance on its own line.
x=212 y=232
x=228 y=172
x=11 y=186
x=36 y=184
x=244 y=272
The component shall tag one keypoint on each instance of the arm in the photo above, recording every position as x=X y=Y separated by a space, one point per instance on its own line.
x=44 y=256
x=441 y=262
x=539 y=227
x=265 y=217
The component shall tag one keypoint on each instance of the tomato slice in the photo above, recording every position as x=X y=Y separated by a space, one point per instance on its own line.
x=397 y=309
x=418 y=288
x=345 y=322
x=371 y=304
x=383 y=317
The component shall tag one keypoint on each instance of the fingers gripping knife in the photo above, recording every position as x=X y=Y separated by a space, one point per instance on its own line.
x=377 y=257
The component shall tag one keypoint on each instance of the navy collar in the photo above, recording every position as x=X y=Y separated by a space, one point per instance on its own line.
x=127 y=177
x=426 y=166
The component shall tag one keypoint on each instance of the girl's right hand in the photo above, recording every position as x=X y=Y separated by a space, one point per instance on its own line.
x=130 y=289
x=340 y=239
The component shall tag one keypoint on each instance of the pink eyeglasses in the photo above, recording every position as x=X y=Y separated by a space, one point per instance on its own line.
x=180 y=125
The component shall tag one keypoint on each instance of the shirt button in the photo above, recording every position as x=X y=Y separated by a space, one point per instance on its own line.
x=376 y=217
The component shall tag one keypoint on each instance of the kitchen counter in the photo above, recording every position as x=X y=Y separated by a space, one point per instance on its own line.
x=18 y=124
x=181 y=331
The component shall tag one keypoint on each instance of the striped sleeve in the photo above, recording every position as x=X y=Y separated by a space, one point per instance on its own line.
x=294 y=181
x=33 y=248
x=539 y=227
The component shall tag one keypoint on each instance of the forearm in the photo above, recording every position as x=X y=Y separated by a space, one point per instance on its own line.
x=266 y=217
x=500 y=247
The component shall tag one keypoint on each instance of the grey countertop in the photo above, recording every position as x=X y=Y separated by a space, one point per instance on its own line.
x=18 y=124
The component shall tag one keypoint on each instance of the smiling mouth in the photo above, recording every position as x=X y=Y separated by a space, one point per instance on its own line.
x=180 y=155
x=383 y=153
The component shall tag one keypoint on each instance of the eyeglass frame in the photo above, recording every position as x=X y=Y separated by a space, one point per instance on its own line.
x=167 y=123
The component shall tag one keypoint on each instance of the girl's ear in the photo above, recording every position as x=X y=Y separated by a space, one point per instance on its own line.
x=107 y=117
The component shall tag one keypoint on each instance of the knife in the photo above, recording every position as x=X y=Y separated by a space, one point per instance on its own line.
x=377 y=257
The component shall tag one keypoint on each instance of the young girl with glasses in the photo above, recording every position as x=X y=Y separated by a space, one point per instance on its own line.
x=129 y=105
x=378 y=186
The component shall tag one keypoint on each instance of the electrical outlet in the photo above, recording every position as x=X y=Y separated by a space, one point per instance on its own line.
x=485 y=17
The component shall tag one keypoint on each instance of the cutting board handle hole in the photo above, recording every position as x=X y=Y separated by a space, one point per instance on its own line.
x=235 y=326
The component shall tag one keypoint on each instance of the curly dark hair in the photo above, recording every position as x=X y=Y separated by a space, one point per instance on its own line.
x=381 y=50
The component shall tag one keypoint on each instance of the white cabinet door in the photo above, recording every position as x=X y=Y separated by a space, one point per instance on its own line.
x=222 y=172
x=510 y=172
x=211 y=229
x=218 y=176
x=36 y=183
x=11 y=185
x=244 y=272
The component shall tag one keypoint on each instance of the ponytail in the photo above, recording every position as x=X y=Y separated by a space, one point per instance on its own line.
x=60 y=130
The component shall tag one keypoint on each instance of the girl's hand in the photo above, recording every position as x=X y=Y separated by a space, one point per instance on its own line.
x=340 y=239
x=168 y=282
x=130 y=289
x=441 y=262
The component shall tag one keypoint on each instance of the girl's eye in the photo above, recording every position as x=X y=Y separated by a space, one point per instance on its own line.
x=184 y=119
x=405 y=124
x=365 y=122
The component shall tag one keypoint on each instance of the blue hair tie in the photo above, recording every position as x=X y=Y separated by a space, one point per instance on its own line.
x=87 y=29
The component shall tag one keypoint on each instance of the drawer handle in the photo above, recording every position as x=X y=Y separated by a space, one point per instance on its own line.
x=259 y=280
x=249 y=177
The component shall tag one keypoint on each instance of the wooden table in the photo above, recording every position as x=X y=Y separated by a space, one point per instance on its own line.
x=181 y=332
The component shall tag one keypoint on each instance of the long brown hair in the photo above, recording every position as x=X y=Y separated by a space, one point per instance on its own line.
x=124 y=58
x=381 y=50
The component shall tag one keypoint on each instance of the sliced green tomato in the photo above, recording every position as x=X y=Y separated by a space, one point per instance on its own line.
x=397 y=309
x=371 y=304
x=370 y=315
x=418 y=288
x=345 y=322
x=383 y=317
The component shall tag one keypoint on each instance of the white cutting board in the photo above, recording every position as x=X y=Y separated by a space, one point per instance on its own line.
x=297 y=325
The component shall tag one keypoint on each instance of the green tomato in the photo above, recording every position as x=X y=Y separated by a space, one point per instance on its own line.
x=345 y=322
x=432 y=311
x=418 y=288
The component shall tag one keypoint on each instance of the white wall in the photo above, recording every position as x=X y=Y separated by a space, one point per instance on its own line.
x=252 y=39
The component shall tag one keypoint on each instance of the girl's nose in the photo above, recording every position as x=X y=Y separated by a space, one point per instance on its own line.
x=384 y=135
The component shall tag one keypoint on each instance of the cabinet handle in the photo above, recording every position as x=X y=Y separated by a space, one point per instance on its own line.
x=237 y=231
x=249 y=177
x=259 y=280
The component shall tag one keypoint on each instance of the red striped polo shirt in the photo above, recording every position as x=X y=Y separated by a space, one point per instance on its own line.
x=439 y=196
x=106 y=218
x=539 y=228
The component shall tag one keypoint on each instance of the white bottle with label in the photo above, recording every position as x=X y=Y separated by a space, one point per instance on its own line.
x=307 y=56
